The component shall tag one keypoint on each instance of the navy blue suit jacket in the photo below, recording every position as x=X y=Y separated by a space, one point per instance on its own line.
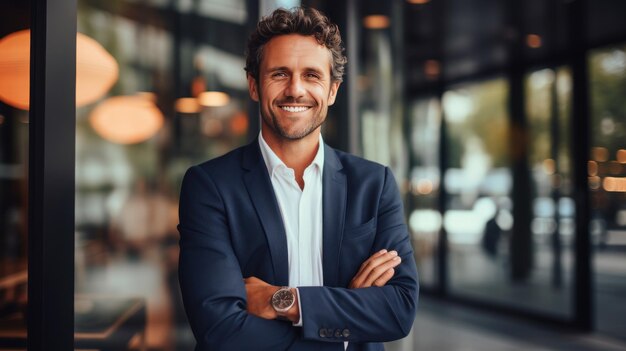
x=231 y=228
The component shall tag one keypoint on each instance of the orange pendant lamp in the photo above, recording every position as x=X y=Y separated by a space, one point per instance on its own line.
x=126 y=119
x=96 y=70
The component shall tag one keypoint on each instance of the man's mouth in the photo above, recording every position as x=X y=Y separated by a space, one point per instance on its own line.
x=295 y=108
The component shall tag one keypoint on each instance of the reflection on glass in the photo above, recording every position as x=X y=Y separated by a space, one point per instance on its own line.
x=478 y=216
x=607 y=185
x=179 y=100
x=425 y=220
x=478 y=179
x=381 y=107
x=548 y=109
x=376 y=86
x=14 y=17
x=478 y=209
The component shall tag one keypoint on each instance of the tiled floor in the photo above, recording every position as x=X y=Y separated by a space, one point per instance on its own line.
x=445 y=326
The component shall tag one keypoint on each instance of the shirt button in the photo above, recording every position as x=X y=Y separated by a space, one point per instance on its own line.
x=322 y=333
x=346 y=333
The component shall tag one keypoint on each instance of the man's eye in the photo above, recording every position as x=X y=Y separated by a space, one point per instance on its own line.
x=312 y=76
x=279 y=74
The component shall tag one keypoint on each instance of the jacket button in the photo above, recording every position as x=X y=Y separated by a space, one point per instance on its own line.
x=322 y=333
x=346 y=333
x=337 y=333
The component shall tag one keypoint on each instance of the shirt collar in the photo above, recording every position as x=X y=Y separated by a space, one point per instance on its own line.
x=272 y=161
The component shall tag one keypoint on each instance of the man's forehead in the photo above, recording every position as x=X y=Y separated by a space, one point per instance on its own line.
x=294 y=42
x=287 y=47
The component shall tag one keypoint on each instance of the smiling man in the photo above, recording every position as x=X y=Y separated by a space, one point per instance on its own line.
x=286 y=243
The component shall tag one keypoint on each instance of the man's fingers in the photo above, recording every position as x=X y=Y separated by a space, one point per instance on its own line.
x=371 y=263
x=377 y=268
x=383 y=279
x=380 y=270
x=364 y=264
x=375 y=261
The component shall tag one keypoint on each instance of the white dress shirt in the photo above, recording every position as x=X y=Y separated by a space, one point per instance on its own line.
x=301 y=211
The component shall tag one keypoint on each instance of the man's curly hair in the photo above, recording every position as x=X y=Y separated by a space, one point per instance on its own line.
x=300 y=20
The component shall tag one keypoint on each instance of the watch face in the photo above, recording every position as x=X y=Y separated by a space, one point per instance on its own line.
x=282 y=300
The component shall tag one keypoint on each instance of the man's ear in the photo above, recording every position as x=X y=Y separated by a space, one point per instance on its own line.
x=252 y=88
x=334 y=88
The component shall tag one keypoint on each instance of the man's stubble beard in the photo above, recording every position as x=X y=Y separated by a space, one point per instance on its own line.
x=272 y=122
x=295 y=135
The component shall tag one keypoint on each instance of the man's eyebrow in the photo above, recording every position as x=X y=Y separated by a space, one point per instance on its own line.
x=274 y=69
x=314 y=69
x=306 y=69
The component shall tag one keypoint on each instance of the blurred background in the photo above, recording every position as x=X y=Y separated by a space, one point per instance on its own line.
x=503 y=121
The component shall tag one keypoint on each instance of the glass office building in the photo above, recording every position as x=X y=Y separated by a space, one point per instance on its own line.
x=504 y=123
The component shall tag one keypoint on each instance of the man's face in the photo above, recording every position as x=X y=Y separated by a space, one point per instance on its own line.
x=294 y=87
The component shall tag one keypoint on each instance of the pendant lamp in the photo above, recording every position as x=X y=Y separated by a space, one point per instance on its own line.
x=126 y=119
x=96 y=69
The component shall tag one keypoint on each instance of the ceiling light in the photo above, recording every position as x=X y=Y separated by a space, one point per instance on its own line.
x=533 y=41
x=96 y=70
x=432 y=69
x=187 y=105
x=126 y=119
x=376 y=22
x=213 y=99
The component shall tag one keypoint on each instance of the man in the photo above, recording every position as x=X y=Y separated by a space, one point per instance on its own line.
x=286 y=243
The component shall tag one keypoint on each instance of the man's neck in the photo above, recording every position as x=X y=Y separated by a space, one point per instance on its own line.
x=296 y=154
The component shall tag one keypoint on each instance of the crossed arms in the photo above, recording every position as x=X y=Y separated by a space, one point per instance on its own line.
x=379 y=305
x=375 y=271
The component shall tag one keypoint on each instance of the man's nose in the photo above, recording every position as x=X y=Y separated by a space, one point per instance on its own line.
x=295 y=88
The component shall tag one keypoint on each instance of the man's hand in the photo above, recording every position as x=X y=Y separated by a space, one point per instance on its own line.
x=259 y=295
x=376 y=270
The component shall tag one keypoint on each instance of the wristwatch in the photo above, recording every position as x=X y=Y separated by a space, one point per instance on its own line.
x=283 y=300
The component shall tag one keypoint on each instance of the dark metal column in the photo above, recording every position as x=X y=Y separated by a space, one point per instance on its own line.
x=521 y=247
x=51 y=176
x=443 y=196
x=352 y=72
x=254 y=121
x=583 y=301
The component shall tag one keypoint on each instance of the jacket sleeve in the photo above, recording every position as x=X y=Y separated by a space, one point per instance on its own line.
x=211 y=282
x=374 y=314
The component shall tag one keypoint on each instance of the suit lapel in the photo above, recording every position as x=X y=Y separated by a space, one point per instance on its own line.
x=262 y=195
x=334 y=202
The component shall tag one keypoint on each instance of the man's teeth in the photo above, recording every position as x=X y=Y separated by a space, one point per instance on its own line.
x=295 y=108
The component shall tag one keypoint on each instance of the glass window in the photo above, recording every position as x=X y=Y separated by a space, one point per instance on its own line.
x=14 y=96
x=380 y=106
x=478 y=216
x=478 y=209
x=169 y=91
x=607 y=185
x=548 y=110
x=425 y=220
